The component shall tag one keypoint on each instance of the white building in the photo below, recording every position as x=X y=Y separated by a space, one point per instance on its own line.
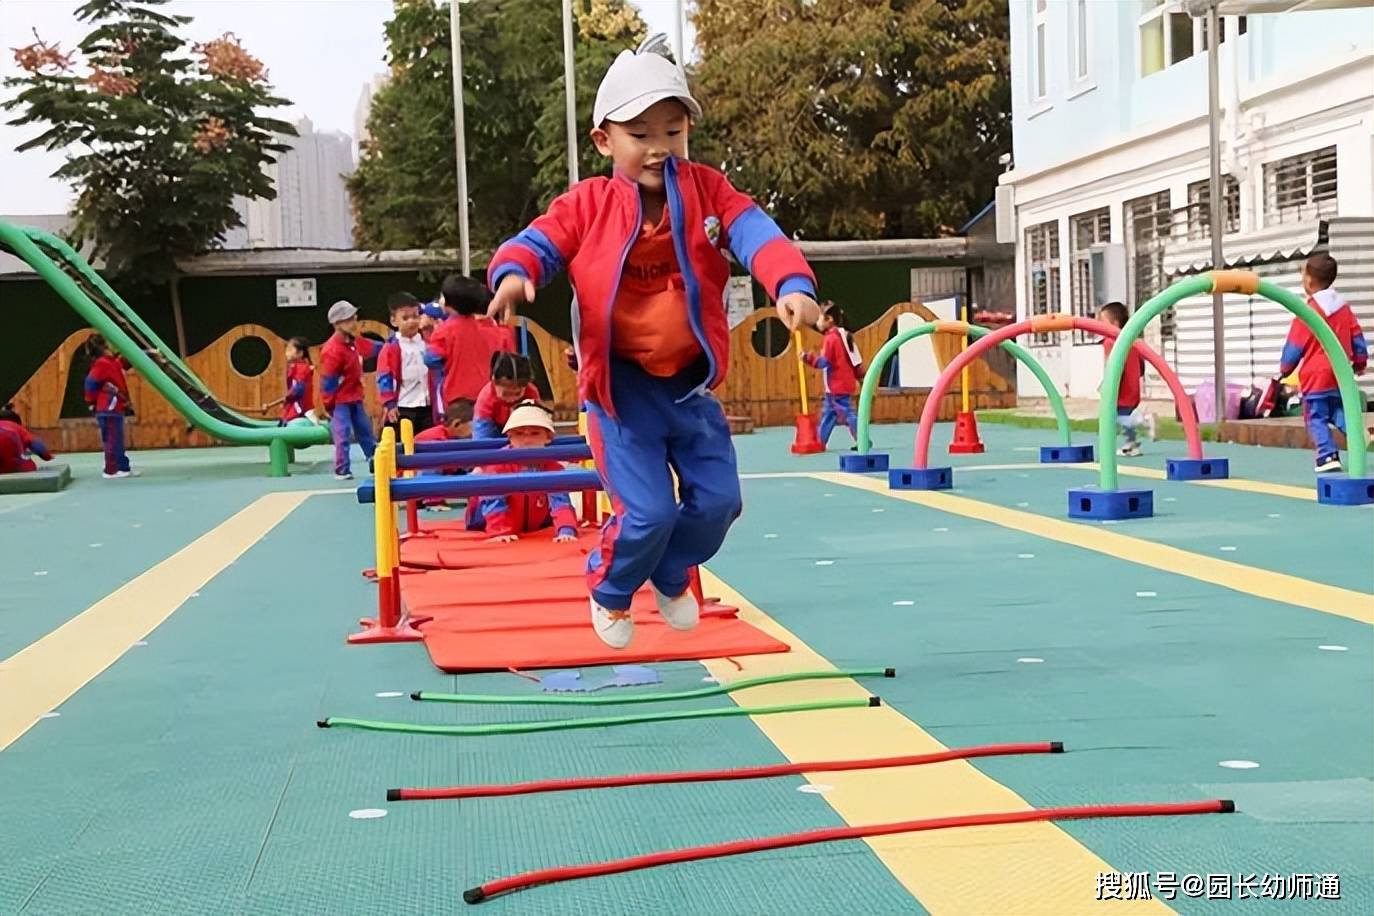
x=1110 y=170
x=311 y=209
x=363 y=109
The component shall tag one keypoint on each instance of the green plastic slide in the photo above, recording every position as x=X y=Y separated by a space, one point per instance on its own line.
x=85 y=291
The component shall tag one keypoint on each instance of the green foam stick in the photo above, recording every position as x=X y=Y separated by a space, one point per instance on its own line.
x=615 y=698
x=519 y=728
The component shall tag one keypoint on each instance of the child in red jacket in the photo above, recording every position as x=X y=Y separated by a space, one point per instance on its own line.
x=17 y=443
x=404 y=379
x=107 y=393
x=842 y=367
x=461 y=347
x=1128 y=416
x=298 y=403
x=341 y=386
x=646 y=252
x=1321 y=398
x=512 y=381
x=507 y=517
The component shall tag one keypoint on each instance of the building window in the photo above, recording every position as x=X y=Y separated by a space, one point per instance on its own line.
x=1085 y=231
x=1078 y=17
x=1042 y=268
x=1148 y=220
x=1041 y=28
x=1168 y=35
x=1199 y=204
x=1301 y=187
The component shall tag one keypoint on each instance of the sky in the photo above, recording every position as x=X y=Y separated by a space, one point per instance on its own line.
x=319 y=54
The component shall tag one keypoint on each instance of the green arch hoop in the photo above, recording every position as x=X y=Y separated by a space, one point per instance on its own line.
x=1226 y=281
x=874 y=372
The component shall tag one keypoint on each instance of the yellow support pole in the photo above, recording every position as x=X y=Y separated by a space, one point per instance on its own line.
x=801 y=373
x=412 y=506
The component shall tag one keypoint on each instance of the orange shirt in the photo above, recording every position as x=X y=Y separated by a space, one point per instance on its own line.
x=649 y=322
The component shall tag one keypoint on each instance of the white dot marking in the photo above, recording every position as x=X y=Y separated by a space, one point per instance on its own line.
x=1334 y=648
x=388 y=694
x=1238 y=764
x=903 y=603
x=1147 y=594
x=1030 y=661
x=825 y=562
x=815 y=788
x=367 y=814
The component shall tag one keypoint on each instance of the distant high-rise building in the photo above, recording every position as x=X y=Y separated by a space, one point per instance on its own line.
x=363 y=109
x=311 y=209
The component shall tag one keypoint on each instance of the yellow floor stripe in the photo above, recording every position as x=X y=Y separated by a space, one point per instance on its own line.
x=1020 y=868
x=1262 y=583
x=45 y=674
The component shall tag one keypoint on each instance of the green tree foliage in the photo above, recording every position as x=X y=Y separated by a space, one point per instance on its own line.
x=161 y=135
x=404 y=191
x=856 y=118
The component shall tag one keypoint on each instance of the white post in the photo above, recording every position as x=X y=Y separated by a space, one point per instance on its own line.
x=679 y=19
x=1217 y=202
x=570 y=90
x=459 y=133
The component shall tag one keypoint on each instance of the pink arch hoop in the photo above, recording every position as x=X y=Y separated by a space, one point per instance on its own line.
x=1183 y=401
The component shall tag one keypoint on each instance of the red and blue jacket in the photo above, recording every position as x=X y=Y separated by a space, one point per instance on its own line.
x=300 y=390
x=589 y=231
x=490 y=413
x=389 y=376
x=842 y=367
x=16 y=442
x=1302 y=350
x=518 y=513
x=341 y=368
x=106 y=388
x=460 y=351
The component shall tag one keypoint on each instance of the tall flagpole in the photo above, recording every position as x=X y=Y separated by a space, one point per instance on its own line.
x=459 y=133
x=570 y=90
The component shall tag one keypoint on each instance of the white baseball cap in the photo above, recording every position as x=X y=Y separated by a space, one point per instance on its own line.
x=529 y=415
x=639 y=78
x=342 y=311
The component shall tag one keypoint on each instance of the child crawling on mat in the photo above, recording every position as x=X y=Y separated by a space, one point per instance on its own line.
x=17 y=444
x=505 y=518
x=457 y=425
x=646 y=252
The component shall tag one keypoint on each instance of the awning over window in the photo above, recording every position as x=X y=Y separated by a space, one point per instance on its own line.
x=1284 y=242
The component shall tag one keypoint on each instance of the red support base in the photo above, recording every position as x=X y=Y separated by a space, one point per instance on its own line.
x=401 y=633
x=806 y=442
x=966 y=441
x=389 y=625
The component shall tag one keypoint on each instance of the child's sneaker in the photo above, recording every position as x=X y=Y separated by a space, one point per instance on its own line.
x=1129 y=451
x=343 y=476
x=614 y=628
x=1329 y=463
x=680 y=613
x=115 y=476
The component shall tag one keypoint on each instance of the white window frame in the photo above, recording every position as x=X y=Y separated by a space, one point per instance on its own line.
x=1081 y=302
x=1052 y=268
x=1040 y=57
x=1080 y=34
x=1230 y=28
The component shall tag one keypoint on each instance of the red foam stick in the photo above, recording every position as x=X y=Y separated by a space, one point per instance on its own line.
x=762 y=772
x=787 y=840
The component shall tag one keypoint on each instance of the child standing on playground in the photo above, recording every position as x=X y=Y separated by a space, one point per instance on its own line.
x=1321 y=396
x=462 y=345
x=299 y=400
x=403 y=379
x=645 y=250
x=841 y=366
x=1128 y=416
x=507 y=517
x=341 y=386
x=17 y=444
x=512 y=381
x=107 y=393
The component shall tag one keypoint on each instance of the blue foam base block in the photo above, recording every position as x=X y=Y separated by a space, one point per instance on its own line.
x=920 y=478
x=859 y=464
x=1090 y=502
x=1065 y=454
x=1340 y=490
x=1198 y=468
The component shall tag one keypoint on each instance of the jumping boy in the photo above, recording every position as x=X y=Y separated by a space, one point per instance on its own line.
x=645 y=250
x=1321 y=397
x=341 y=386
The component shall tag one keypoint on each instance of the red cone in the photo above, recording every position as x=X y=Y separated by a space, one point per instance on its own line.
x=806 y=441
x=966 y=441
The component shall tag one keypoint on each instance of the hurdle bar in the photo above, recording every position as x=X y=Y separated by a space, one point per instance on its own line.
x=480 y=485
x=459 y=445
x=390 y=624
x=476 y=457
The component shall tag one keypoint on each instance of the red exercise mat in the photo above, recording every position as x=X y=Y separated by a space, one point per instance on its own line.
x=445 y=587
x=472 y=550
x=528 y=644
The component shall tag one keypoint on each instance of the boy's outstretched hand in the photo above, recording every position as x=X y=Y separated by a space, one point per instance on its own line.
x=514 y=289
x=797 y=309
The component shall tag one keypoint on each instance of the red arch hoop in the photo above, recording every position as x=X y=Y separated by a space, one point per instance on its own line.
x=1041 y=324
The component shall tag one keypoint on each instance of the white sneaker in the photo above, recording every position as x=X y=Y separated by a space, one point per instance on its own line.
x=680 y=613
x=614 y=628
x=343 y=476
x=115 y=476
x=1328 y=463
x=1129 y=451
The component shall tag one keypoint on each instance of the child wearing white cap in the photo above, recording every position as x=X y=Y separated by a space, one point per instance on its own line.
x=507 y=517
x=646 y=252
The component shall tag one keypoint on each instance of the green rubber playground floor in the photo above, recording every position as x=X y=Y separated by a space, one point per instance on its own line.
x=189 y=776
